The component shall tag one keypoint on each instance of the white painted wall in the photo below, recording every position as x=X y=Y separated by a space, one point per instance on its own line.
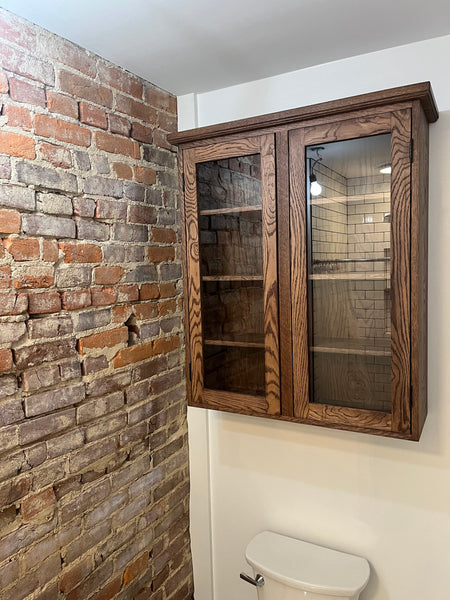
x=387 y=500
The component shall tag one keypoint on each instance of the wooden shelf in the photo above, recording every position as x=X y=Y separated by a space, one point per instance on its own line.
x=232 y=278
x=349 y=276
x=353 y=346
x=360 y=198
x=225 y=211
x=242 y=340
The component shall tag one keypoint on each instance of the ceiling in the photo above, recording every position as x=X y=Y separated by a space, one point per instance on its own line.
x=188 y=46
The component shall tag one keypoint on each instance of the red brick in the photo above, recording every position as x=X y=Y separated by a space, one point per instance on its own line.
x=149 y=291
x=41 y=278
x=160 y=99
x=144 y=175
x=81 y=253
x=145 y=310
x=105 y=339
x=122 y=170
x=107 y=275
x=72 y=577
x=166 y=345
x=167 y=307
x=128 y=293
x=62 y=130
x=76 y=300
x=167 y=122
x=120 y=79
x=116 y=145
x=29 y=93
x=64 y=105
x=167 y=290
x=121 y=313
x=162 y=235
x=36 y=504
x=103 y=296
x=110 y=590
x=48 y=302
x=22 y=249
x=135 y=109
x=3 y=82
x=5 y=277
x=56 y=155
x=69 y=54
x=11 y=303
x=91 y=115
x=160 y=140
x=17 y=145
x=142 y=214
x=18 y=32
x=50 y=251
x=19 y=62
x=132 y=354
x=119 y=125
x=141 y=133
x=6 y=360
x=84 y=88
x=133 y=570
x=159 y=254
x=17 y=116
x=9 y=221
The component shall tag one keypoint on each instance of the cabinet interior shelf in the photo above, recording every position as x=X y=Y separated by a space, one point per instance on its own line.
x=232 y=278
x=359 y=198
x=242 y=340
x=356 y=347
x=349 y=276
x=234 y=209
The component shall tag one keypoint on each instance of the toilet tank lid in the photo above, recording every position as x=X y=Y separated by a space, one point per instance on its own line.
x=306 y=566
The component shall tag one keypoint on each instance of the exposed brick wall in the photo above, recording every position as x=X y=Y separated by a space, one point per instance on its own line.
x=93 y=450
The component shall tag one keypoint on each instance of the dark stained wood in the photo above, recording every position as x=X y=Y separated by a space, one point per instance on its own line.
x=343 y=416
x=419 y=270
x=232 y=278
x=299 y=279
x=237 y=403
x=400 y=270
x=284 y=272
x=270 y=264
x=418 y=91
x=224 y=211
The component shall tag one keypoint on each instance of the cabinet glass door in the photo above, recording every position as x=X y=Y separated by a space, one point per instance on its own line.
x=234 y=348
x=354 y=211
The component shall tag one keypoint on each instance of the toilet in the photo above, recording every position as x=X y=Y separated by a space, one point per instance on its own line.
x=285 y=568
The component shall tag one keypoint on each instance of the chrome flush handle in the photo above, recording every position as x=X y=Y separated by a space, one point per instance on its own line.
x=258 y=581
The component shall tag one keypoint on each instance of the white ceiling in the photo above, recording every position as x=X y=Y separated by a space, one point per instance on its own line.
x=198 y=45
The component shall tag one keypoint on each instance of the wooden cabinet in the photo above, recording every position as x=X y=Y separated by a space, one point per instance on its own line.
x=305 y=262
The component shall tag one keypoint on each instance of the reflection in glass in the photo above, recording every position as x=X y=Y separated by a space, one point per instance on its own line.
x=349 y=273
x=231 y=269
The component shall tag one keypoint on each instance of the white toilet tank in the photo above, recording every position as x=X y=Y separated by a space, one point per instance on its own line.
x=297 y=570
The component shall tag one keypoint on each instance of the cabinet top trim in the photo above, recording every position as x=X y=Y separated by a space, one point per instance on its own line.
x=407 y=93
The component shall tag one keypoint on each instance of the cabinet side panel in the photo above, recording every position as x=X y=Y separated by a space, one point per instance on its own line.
x=419 y=269
x=185 y=273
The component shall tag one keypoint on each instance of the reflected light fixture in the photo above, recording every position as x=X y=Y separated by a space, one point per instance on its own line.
x=386 y=169
x=314 y=186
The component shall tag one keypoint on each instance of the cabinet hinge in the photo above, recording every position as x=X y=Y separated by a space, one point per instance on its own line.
x=411 y=149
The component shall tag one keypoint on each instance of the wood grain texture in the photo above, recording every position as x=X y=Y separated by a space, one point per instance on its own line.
x=185 y=276
x=339 y=415
x=400 y=270
x=419 y=91
x=236 y=403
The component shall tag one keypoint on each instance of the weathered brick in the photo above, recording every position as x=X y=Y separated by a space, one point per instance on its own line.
x=108 y=384
x=127 y=293
x=64 y=105
x=107 y=275
x=70 y=578
x=134 y=354
x=82 y=87
x=122 y=170
x=169 y=272
x=92 y=453
x=145 y=310
x=53 y=400
x=100 y=406
x=91 y=115
x=11 y=410
x=5 y=277
x=142 y=273
x=18 y=197
x=64 y=444
x=6 y=363
x=134 y=191
x=44 y=178
x=82 y=253
x=82 y=160
x=160 y=140
x=55 y=155
x=165 y=345
x=129 y=233
x=145 y=175
x=142 y=134
x=5 y=167
x=47 y=302
x=76 y=299
x=64 y=131
x=48 y=327
x=4 y=87
x=50 y=252
x=149 y=291
x=26 y=92
x=40 y=377
x=83 y=207
x=86 y=230
x=92 y=319
x=162 y=235
x=36 y=504
x=23 y=63
x=149 y=368
x=41 y=427
x=94 y=364
x=104 y=339
x=9 y=221
x=67 y=277
x=135 y=109
x=142 y=214
x=105 y=427
x=13 y=304
x=114 y=253
x=17 y=116
x=26 y=278
x=11 y=332
x=22 y=249
x=9 y=573
x=56 y=204
x=160 y=99
x=116 y=144
x=100 y=186
x=119 y=125
x=65 y=52
x=109 y=590
x=103 y=296
x=30 y=356
x=111 y=210
x=159 y=254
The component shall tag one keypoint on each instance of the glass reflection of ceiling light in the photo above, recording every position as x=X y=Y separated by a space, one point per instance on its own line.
x=316 y=188
x=386 y=169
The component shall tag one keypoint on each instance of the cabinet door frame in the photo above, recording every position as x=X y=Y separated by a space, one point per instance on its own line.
x=264 y=145
x=398 y=124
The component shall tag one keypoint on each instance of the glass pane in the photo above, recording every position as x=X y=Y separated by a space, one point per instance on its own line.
x=349 y=208
x=231 y=269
